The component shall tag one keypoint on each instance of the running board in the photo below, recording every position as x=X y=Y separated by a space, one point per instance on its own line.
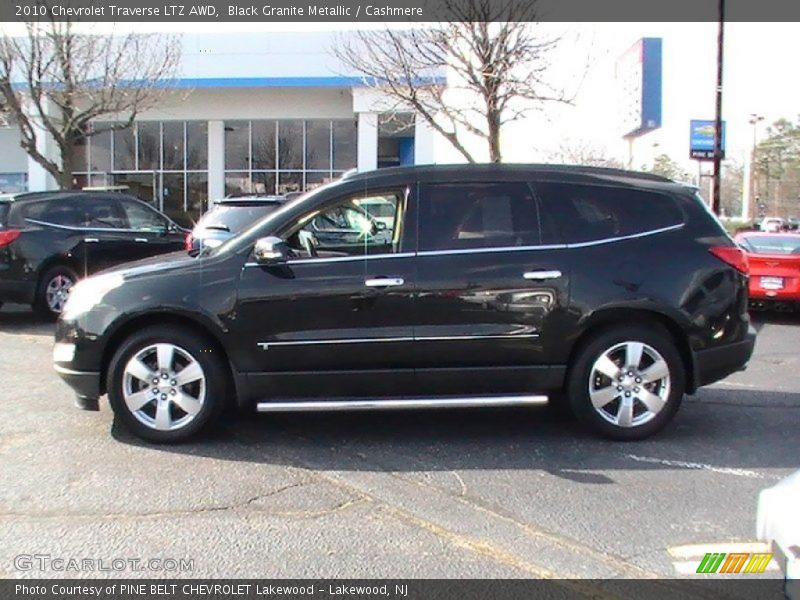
x=399 y=403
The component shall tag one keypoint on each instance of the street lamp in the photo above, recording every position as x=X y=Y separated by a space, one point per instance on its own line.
x=749 y=191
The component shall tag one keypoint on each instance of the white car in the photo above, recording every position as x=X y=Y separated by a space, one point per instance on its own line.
x=778 y=524
x=772 y=224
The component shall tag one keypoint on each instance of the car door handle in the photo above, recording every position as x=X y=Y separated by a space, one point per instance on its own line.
x=91 y=240
x=541 y=275
x=141 y=240
x=384 y=282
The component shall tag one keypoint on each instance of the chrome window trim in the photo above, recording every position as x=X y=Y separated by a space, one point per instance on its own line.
x=432 y=338
x=99 y=229
x=303 y=261
x=570 y=246
x=631 y=236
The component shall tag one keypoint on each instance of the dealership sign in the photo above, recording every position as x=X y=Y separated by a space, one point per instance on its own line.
x=701 y=139
x=638 y=74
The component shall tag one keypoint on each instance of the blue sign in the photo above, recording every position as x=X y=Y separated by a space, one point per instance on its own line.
x=638 y=74
x=701 y=139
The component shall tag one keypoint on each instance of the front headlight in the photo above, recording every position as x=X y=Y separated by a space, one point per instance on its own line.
x=88 y=293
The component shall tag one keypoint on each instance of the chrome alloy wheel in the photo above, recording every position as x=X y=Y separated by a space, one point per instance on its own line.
x=164 y=387
x=57 y=292
x=629 y=384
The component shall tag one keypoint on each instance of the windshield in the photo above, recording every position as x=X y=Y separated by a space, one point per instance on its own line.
x=234 y=217
x=772 y=244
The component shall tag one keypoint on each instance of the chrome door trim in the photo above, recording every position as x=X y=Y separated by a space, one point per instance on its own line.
x=401 y=403
x=432 y=338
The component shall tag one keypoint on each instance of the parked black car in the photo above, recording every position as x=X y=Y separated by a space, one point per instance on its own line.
x=494 y=285
x=228 y=217
x=49 y=240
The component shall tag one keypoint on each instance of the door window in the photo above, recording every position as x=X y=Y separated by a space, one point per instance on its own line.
x=353 y=226
x=64 y=212
x=142 y=218
x=103 y=213
x=457 y=216
x=586 y=213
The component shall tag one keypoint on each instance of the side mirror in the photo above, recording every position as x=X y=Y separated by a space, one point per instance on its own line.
x=271 y=251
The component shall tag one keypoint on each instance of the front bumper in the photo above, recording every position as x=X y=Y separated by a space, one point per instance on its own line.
x=714 y=364
x=86 y=385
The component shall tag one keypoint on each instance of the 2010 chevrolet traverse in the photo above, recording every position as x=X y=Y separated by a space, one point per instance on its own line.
x=615 y=292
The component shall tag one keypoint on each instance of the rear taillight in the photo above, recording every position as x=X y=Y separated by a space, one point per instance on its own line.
x=8 y=235
x=187 y=242
x=732 y=255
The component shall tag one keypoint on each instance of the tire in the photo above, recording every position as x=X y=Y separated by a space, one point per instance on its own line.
x=173 y=411
x=633 y=408
x=53 y=290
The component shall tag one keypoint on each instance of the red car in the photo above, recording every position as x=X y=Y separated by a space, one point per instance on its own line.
x=774 y=268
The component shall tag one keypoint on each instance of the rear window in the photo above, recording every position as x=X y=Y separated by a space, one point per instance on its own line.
x=587 y=213
x=236 y=218
x=771 y=244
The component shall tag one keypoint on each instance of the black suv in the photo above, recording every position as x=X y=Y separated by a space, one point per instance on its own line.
x=613 y=292
x=48 y=240
x=228 y=217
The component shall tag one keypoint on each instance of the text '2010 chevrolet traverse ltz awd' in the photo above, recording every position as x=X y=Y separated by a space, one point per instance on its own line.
x=613 y=292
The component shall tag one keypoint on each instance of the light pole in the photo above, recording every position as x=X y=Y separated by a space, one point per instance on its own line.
x=715 y=200
x=749 y=191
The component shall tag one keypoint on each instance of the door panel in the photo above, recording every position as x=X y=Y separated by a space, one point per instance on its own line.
x=321 y=315
x=345 y=314
x=490 y=294
x=486 y=312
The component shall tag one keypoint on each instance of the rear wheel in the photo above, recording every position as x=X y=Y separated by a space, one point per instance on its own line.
x=627 y=382
x=53 y=291
x=166 y=384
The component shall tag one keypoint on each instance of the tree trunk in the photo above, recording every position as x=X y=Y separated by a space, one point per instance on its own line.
x=493 y=122
x=65 y=176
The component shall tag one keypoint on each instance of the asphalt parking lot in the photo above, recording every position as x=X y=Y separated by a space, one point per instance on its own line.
x=482 y=493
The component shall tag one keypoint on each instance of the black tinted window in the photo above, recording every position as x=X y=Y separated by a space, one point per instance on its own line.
x=103 y=213
x=477 y=215
x=142 y=218
x=235 y=218
x=62 y=211
x=585 y=213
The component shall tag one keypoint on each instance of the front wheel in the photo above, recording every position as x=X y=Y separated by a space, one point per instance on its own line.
x=166 y=384
x=627 y=382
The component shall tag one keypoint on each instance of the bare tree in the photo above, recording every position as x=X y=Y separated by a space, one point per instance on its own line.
x=56 y=81
x=492 y=49
x=581 y=152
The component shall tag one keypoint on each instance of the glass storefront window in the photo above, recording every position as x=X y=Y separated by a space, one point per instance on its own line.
x=100 y=150
x=345 y=137
x=237 y=183
x=318 y=145
x=172 y=193
x=173 y=143
x=149 y=147
x=263 y=183
x=263 y=133
x=124 y=150
x=290 y=182
x=237 y=145
x=196 y=196
x=196 y=145
x=290 y=145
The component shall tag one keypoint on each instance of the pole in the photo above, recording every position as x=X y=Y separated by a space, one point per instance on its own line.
x=715 y=202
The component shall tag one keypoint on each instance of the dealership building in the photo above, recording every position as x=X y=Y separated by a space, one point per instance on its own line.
x=249 y=113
